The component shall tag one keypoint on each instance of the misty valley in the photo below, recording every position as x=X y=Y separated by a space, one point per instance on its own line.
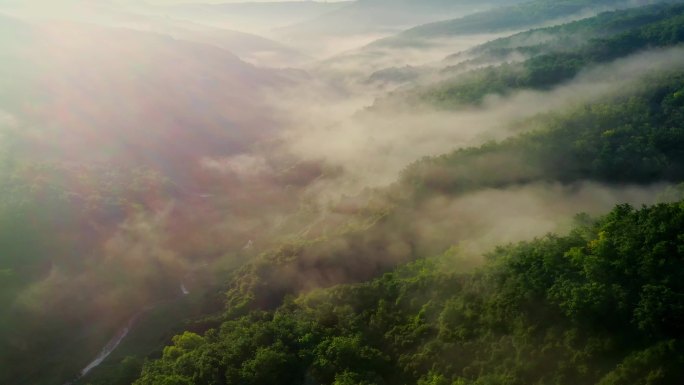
x=351 y=192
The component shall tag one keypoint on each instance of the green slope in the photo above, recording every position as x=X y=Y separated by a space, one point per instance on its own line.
x=602 y=305
x=636 y=138
x=502 y=19
x=554 y=62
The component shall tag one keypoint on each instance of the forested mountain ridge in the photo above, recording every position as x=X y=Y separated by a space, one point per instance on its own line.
x=509 y=18
x=635 y=138
x=429 y=325
x=421 y=48
x=560 y=38
x=632 y=139
x=534 y=313
x=609 y=36
x=598 y=306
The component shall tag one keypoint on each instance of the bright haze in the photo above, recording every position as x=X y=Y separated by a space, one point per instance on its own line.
x=157 y=155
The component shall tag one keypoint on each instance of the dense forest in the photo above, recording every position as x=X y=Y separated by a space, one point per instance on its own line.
x=602 y=305
x=536 y=313
x=172 y=213
x=634 y=138
x=571 y=48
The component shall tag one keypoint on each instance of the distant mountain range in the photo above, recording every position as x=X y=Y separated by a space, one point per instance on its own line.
x=385 y=16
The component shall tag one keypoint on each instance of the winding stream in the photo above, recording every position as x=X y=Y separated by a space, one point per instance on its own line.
x=115 y=341
x=111 y=345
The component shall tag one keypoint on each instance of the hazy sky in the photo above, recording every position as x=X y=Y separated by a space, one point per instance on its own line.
x=159 y=1
x=226 y=1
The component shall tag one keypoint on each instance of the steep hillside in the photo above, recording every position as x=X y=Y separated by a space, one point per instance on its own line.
x=415 y=52
x=559 y=290
x=502 y=19
x=558 y=59
x=601 y=305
